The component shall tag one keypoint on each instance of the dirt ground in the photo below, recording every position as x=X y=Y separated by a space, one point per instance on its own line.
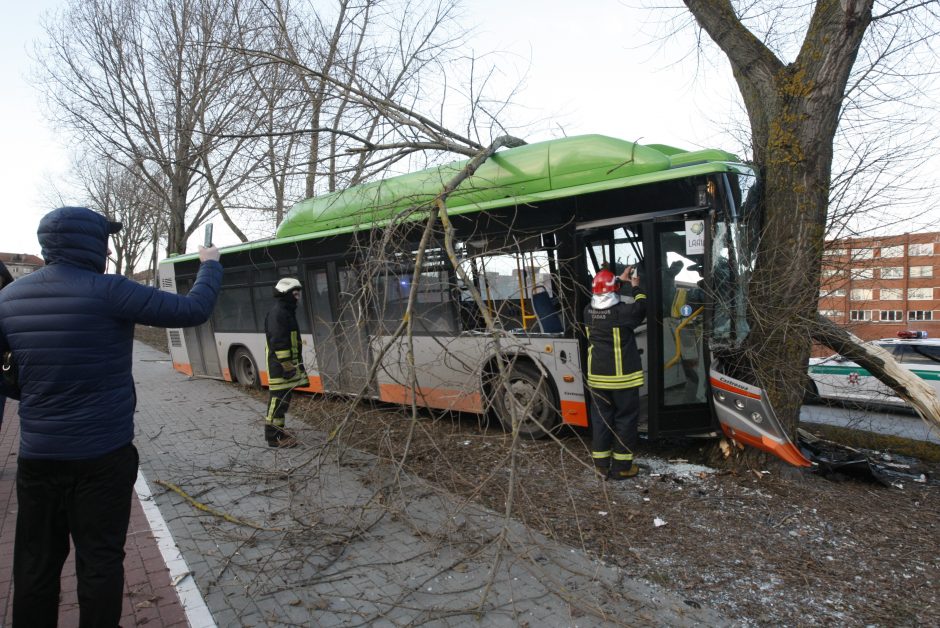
x=763 y=547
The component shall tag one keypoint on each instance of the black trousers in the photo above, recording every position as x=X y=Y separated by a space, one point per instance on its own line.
x=615 y=416
x=89 y=500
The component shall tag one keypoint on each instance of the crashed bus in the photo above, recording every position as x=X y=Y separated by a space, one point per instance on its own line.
x=531 y=227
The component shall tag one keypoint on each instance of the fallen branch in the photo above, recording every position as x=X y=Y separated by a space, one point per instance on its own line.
x=882 y=366
x=212 y=511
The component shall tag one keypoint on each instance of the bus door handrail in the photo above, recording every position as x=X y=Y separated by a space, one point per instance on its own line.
x=675 y=359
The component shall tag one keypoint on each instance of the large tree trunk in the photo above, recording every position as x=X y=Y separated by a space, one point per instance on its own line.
x=793 y=110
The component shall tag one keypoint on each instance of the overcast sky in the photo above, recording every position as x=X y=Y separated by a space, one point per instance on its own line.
x=587 y=72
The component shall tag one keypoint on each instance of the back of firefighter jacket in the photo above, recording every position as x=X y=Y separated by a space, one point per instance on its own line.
x=613 y=360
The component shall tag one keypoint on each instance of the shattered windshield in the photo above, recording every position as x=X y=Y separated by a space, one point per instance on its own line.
x=732 y=256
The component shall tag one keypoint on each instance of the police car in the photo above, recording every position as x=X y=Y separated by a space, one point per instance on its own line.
x=839 y=379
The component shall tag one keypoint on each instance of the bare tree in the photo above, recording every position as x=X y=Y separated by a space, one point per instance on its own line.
x=795 y=109
x=148 y=81
x=121 y=194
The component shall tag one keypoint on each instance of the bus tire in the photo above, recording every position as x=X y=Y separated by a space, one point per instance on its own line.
x=245 y=369
x=534 y=396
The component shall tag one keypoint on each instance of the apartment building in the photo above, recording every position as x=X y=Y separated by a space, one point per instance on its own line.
x=20 y=264
x=879 y=286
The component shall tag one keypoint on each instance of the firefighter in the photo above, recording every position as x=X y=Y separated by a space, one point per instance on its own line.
x=614 y=372
x=285 y=360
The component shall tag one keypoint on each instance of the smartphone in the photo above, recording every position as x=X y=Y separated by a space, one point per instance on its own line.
x=207 y=240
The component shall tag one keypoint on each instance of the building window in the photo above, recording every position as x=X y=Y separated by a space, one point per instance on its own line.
x=861 y=294
x=863 y=273
x=831 y=313
x=838 y=292
x=920 y=315
x=890 y=294
x=863 y=253
x=892 y=272
x=919 y=294
x=834 y=252
x=921 y=271
x=892 y=251
x=860 y=315
x=922 y=248
x=830 y=272
x=893 y=316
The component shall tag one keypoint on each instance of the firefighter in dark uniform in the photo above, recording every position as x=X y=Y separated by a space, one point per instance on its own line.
x=285 y=360
x=614 y=372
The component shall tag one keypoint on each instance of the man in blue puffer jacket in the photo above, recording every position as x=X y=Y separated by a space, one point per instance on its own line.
x=71 y=330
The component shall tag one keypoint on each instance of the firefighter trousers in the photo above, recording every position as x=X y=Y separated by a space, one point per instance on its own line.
x=615 y=416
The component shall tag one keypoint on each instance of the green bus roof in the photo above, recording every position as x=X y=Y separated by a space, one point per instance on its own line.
x=527 y=174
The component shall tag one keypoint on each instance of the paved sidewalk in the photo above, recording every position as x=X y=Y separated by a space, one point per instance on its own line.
x=318 y=536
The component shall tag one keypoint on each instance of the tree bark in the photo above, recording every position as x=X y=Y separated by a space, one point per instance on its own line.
x=793 y=110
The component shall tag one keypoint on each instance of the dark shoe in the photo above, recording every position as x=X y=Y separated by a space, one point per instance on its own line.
x=279 y=437
x=624 y=474
x=601 y=471
x=284 y=442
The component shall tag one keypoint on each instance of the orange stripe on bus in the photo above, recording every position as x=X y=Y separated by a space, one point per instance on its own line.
x=315 y=385
x=785 y=451
x=574 y=413
x=183 y=368
x=738 y=391
x=444 y=398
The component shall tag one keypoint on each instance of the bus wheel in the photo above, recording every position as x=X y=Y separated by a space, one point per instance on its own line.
x=533 y=399
x=245 y=369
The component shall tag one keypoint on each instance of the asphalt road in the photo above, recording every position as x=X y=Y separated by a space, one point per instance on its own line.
x=894 y=423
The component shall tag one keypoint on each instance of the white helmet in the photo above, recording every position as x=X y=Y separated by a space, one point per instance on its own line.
x=287 y=284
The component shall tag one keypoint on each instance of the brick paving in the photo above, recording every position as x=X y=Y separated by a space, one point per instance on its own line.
x=327 y=536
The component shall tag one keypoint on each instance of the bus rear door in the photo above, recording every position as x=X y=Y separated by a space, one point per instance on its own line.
x=339 y=329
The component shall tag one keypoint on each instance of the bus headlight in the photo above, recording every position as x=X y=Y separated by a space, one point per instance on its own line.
x=756 y=417
x=739 y=403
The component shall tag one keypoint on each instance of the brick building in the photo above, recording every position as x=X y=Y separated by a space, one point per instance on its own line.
x=881 y=285
x=20 y=264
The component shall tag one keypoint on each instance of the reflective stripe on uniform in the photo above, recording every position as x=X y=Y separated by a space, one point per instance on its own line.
x=270 y=418
x=623 y=457
x=618 y=354
x=616 y=382
x=600 y=454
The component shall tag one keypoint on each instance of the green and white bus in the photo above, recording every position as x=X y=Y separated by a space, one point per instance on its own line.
x=531 y=227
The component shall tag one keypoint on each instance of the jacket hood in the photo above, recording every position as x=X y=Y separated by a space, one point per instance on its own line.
x=287 y=300
x=605 y=301
x=76 y=236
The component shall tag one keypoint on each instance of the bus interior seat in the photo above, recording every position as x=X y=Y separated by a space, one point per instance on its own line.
x=548 y=312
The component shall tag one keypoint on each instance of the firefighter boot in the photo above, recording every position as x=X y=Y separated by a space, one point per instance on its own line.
x=623 y=471
x=279 y=437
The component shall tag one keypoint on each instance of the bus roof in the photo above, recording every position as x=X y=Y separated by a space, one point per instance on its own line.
x=527 y=174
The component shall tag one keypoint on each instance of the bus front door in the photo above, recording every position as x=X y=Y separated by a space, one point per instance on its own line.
x=675 y=283
x=674 y=399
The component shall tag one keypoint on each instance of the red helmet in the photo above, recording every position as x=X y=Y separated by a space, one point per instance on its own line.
x=604 y=282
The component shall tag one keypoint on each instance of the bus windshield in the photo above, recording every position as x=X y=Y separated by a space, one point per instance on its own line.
x=732 y=258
